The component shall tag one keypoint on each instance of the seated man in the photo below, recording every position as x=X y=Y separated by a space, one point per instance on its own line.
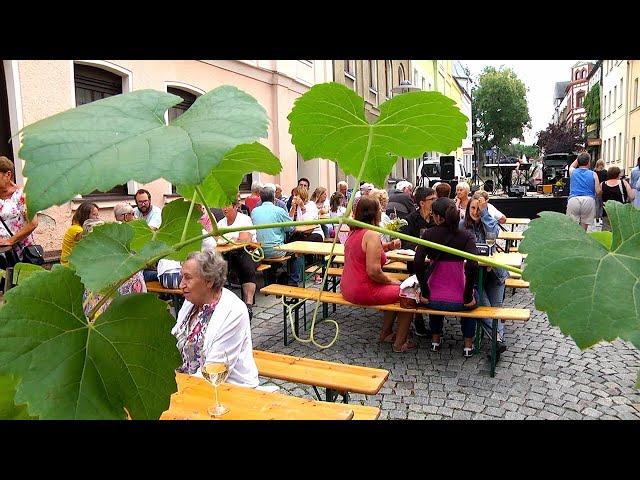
x=443 y=190
x=239 y=260
x=400 y=201
x=270 y=238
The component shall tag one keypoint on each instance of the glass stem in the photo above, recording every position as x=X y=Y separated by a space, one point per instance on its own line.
x=215 y=388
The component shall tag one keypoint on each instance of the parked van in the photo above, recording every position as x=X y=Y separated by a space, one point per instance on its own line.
x=430 y=172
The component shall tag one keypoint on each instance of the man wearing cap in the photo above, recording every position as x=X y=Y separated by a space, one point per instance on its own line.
x=365 y=188
x=400 y=201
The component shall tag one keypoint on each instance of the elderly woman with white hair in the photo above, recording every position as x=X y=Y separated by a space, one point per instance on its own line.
x=462 y=198
x=123 y=212
x=213 y=323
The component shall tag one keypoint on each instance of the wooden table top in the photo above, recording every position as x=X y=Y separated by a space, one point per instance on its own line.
x=510 y=235
x=518 y=221
x=306 y=229
x=229 y=247
x=314 y=248
x=195 y=395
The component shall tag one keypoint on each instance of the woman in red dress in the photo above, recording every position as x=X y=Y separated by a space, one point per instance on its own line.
x=363 y=281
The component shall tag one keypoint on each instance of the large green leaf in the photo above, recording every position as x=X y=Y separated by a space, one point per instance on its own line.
x=8 y=409
x=590 y=292
x=121 y=138
x=105 y=256
x=328 y=121
x=221 y=185
x=70 y=369
x=174 y=215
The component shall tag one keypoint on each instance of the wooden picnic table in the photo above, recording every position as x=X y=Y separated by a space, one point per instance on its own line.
x=311 y=248
x=517 y=221
x=230 y=247
x=195 y=395
x=510 y=238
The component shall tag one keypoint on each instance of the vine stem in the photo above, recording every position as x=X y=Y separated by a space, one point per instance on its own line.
x=186 y=222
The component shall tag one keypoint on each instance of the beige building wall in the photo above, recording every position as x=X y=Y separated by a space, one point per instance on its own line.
x=40 y=88
x=633 y=105
x=613 y=113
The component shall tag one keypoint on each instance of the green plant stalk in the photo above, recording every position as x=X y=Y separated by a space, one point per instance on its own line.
x=333 y=246
x=212 y=219
x=186 y=222
x=437 y=246
x=108 y=295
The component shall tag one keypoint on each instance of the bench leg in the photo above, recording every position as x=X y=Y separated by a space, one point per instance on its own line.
x=332 y=395
x=284 y=320
x=494 y=346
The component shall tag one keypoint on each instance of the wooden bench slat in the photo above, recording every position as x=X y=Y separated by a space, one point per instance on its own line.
x=516 y=283
x=277 y=259
x=336 y=376
x=500 y=313
x=361 y=412
x=155 y=287
x=262 y=267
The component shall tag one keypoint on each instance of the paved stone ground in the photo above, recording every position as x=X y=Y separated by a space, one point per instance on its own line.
x=542 y=375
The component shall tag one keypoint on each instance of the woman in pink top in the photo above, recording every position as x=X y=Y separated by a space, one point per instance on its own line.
x=363 y=281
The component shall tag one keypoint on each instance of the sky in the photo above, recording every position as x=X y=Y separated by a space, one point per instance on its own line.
x=540 y=77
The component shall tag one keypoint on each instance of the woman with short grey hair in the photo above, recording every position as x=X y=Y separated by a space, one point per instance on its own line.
x=213 y=323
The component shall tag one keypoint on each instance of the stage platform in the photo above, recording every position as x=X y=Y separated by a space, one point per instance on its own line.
x=528 y=206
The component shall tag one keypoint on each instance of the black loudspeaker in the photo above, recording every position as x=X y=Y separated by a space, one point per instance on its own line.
x=447 y=167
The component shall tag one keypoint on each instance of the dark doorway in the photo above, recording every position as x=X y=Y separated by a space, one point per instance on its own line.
x=6 y=148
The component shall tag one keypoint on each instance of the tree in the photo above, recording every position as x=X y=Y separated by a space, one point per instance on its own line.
x=591 y=104
x=499 y=108
x=519 y=149
x=559 y=138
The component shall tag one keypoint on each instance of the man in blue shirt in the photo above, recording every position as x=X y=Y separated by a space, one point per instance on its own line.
x=269 y=238
x=581 y=205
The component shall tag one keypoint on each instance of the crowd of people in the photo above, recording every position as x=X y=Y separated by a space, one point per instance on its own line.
x=213 y=323
x=591 y=189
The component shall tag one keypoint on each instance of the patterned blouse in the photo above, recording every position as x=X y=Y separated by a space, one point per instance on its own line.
x=13 y=211
x=190 y=342
x=135 y=284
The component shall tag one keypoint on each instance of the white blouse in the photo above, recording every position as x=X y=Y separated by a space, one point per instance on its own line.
x=228 y=331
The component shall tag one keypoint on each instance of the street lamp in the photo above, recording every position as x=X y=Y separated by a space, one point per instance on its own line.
x=404 y=87
x=475 y=180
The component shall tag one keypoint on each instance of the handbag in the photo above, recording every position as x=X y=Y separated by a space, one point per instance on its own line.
x=33 y=254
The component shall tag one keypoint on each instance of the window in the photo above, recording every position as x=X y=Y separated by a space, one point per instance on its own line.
x=635 y=93
x=619 y=156
x=613 y=149
x=577 y=76
x=401 y=75
x=604 y=107
x=350 y=67
x=424 y=84
x=615 y=98
x=388 y=75
x=415 y=76
x=621 y=90
x=91 y=84
x=633 y=148
x=579 y=99
x=174 y=112
x=373 y=75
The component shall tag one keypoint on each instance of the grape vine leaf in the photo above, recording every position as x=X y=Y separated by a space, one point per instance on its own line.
x=71 y=369
x=329 y=122
x=221 y=185
x=174 y=215
x=8 y=409
x=591 y=292
x=104 y=256
x=124 y=137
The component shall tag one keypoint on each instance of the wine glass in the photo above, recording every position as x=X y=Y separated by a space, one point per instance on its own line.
x=216 y=373
x=490 y=238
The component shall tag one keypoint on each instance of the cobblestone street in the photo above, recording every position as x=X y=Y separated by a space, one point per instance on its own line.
x=542 y=375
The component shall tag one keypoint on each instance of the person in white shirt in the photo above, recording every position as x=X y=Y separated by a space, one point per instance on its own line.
x=145 y=210
x=239 y=260
x=213 y=323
